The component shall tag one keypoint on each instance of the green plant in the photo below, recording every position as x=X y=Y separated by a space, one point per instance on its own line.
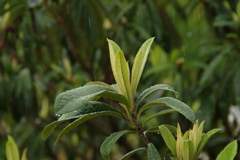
x=81 y=103
x=12 y=151
x=189 y=145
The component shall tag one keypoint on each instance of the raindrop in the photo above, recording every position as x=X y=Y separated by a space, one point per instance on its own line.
x=199 y=111
x=89 y=20
x=75 y=111
x=57 y=115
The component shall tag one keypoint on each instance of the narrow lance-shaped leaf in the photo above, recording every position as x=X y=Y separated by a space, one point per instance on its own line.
x=168 y=138
x=229 y=152
x=88 y=111
x=166 y=111
x=152 y=89
x=172 y=103
x=139 y=63
x=123 y=75
x=24 y=154
x=153 y=152
x=129 y=154
x=68 y=102
x=204 y=140
x=113 y=48
x=109 y=142
x=12 y=151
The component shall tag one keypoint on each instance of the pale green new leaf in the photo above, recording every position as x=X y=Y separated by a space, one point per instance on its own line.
x=173 y=158
x=69 y=101
x=229 y=152
x=204 y=140
x=172 y=103
x=152 y=152
x=129 y=154
x=166 y=111
x=139 y=63
x=169 y=139
x=186 y=150
x=152 y=89
x=123 y=75
x=12 y=152
x=91 y=109
x=113 y=49
x=109 y=142
x=24 y=154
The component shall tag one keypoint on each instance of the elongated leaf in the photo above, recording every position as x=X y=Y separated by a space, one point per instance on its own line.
x=129 y=154
x=122 y=75
x=152 y=152
x=172 y=103
x=139 y=63
x=70 y=95
x=169 y=139
x=166 y=111
x=109 y=142
x=186 y=150
x=91 y=109
x=152 y=89
x=229 y=152
x=24 y=154
x=113 y=49
x=65 y=102
x=173 y=158
x=204 y=140
x=12 y=151
x=101 y=84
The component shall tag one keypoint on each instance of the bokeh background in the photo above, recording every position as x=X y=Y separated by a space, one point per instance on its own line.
x=50 y=46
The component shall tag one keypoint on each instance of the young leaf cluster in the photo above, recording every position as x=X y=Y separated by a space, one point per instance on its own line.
x=81 y=103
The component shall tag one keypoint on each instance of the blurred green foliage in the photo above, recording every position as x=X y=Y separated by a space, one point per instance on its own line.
x=49 y=46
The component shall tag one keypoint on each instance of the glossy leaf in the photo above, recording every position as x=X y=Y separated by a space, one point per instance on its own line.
x=172 y=103
x=92 y=109
x=75 y=99
x=166 y=111
x=109 y=142
x=129 y=154
x=152 y=152
x=229 y=152
x=123 y=75
x=168 y=139
x=113 y=49
x=204 y=140
x=152 y=89
x=139 y=63
x=12 y=152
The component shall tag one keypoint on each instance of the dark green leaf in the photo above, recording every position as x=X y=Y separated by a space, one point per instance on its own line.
x=75 y=99
x=174 y=104
x=166 y=111
x=109 y=142
x=153 y=152
x=92 y=109
x=152 y=89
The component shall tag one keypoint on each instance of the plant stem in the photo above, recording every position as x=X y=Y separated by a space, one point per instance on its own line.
x=139 y=130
